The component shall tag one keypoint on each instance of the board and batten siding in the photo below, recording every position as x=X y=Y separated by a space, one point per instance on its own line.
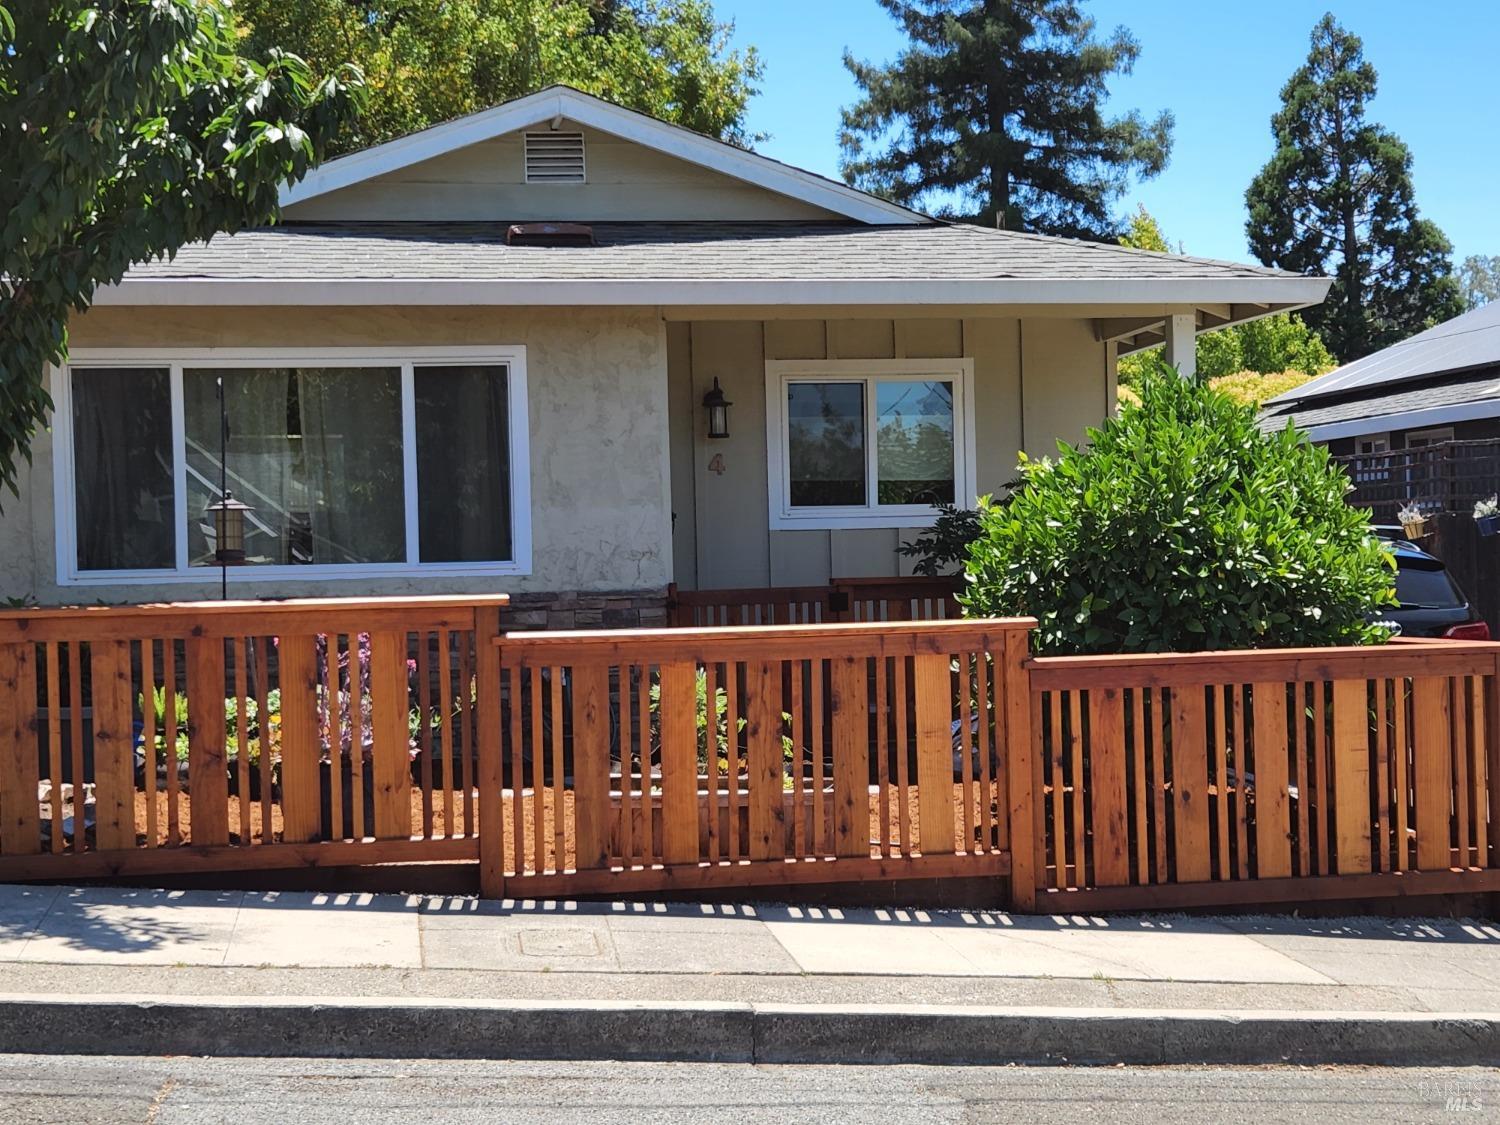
x=626 y=182
x=1036 y=381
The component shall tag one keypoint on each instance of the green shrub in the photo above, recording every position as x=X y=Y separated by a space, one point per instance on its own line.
x=1180 y=526
x=944 y=547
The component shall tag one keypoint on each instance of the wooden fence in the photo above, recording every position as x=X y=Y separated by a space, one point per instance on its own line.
x=221 y=736
x=238 y=735
x=1250 y=777
x=658 y=759
x=1448 y=476
x=915 y=598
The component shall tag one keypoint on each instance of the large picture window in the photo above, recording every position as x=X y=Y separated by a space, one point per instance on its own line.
x=867 y=443
x=351 y=464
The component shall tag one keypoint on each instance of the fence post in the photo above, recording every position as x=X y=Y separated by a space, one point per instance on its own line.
x=491 y=776
x=1492 y=762
x=1020 y=769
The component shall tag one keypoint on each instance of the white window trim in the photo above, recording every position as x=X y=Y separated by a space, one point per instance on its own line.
x=779 y=373
x=1431 y=436
x=1376 y=466
x=513 y=357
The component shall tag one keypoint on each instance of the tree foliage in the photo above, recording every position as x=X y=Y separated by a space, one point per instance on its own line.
x=126 y=131
x=1337 y=198
x=427 y=61
x=1268 y=346
x=1180 y=526
x=1479 y=278
x=994 y=113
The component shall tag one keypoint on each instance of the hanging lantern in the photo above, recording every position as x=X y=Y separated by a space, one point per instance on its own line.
x=228 y=515
x=718 y=411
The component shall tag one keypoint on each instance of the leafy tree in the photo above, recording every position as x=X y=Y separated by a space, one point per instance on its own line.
x=1479 y=277
x=1180 y=526
x=127 y=130
x=428 y=61
x=1336 y=198
x=1267 y=346
x=995 y=108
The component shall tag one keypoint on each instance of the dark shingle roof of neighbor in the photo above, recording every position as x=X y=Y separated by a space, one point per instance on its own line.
x=1461 y=344
x=1378 y=402
x=727 y=251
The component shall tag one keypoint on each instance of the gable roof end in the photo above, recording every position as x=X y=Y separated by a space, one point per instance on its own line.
x=564 y=101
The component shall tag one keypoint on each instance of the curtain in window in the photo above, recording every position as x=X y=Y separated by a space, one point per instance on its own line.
x=463 y=464
x=352 y=464
x=122 y=468
x=316 y=453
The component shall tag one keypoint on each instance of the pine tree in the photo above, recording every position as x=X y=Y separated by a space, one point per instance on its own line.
x=992 y=115
x=1337 y=198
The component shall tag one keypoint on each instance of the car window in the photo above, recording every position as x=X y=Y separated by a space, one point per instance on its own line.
x=1426 y=587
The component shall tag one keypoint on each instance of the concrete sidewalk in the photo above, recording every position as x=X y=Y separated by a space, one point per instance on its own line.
x=63 y=941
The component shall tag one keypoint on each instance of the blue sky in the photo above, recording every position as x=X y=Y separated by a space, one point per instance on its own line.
x=1219 y=68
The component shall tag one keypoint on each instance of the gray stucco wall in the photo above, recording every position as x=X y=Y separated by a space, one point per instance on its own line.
x=598 y=413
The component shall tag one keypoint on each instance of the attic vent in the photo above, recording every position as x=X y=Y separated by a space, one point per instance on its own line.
x=549 y=234
x=554 y=158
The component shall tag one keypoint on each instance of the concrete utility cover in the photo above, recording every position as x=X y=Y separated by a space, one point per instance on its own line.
x=559 y=943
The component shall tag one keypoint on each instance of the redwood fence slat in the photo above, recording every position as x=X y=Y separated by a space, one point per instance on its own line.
x=20 y=818
x=934 y=709
x=849 y=706
x=114 y=762
x=1108 y=791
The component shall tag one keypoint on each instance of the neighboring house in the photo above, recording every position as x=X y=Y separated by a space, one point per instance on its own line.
x=476 y=358
x=1417 y=421
x=1439 y=385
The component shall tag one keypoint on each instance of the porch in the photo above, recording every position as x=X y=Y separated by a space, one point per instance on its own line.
x=240 y=736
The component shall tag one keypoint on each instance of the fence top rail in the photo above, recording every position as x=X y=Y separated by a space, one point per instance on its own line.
x=242 y=618
x=770 y=642
x=1285 y=665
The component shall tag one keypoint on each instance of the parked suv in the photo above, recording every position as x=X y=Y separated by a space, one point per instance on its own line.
x=1429 y=601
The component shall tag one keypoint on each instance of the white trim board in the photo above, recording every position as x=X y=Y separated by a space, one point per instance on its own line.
x=1290 y=292
x=960 y=372
x=512 y=356
x=563 y=101
x=1407 y=420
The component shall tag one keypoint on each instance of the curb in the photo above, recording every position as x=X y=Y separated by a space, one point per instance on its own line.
x=292 y=1027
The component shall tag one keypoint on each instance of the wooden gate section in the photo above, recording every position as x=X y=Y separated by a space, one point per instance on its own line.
x=1247 y=777
x=139 y=740
x=686 y=759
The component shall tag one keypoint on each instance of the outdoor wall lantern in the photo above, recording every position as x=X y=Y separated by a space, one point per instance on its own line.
x=718 y=411
x=228 y=515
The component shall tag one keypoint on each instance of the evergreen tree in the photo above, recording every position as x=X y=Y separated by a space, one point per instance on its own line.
x=993 y=115
x=1336 y=198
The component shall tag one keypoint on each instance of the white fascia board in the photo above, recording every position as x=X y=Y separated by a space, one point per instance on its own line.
x=1407 y=420
x=547 y=105
x=1293 y=291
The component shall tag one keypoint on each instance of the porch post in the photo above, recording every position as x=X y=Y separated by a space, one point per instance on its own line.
x=1182 y=343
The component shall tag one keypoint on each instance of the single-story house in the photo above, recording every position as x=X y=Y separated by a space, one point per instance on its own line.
x=476 y=359
x=1439 y=385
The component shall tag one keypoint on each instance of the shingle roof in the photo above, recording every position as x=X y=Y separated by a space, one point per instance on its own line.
x=1460 y=344
x=677 y=251
x=1381 y=401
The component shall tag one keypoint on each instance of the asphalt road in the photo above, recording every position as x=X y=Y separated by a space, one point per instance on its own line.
x=79 y=1090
